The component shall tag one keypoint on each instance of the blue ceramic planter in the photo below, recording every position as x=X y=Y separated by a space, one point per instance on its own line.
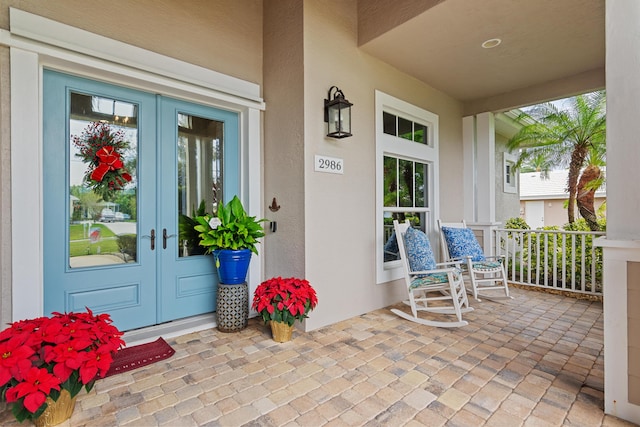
x=232 y=265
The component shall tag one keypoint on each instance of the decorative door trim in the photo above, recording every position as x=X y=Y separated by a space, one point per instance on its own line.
x=36 y=43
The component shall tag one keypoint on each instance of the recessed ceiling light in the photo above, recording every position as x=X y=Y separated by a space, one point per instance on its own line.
x=491 y=43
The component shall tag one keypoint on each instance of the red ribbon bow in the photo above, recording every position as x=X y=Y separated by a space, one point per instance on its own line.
x=109 y=160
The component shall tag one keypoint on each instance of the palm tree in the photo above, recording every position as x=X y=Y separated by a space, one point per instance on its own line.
x=564 y=137
x=591 y=179
x=537 y=163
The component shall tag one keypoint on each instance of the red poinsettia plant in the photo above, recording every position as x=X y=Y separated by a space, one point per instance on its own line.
x=284 y=300
x=102 y=150
x=40 y=357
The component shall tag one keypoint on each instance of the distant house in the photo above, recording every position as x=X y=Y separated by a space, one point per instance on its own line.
x=543 y=198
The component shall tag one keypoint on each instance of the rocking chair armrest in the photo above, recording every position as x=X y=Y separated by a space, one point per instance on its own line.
x=437 y=270
x=496 y=257
x=458 y=260
x=452 y=263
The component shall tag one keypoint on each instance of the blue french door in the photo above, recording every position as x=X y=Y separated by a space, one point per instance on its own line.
x=125 y=172
x=199 y=145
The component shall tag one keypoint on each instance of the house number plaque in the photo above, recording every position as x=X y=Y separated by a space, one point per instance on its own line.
x=329 y=164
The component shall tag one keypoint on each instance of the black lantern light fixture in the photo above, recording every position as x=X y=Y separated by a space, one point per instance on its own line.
x=337 y=114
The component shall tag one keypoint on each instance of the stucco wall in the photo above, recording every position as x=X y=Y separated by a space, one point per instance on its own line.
x=340 y=209
x=376 y=17
x=507 y=204
x=222 y=35
x=284 y=250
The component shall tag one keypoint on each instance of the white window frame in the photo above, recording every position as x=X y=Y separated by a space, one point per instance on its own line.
x=509 y=160
x=398 y=147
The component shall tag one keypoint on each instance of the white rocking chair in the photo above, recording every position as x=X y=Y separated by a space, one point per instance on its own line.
x=429 y=282
x=486 y=273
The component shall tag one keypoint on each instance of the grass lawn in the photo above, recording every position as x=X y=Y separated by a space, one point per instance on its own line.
x=85 y=247
x=81 y=245
x=76 y=231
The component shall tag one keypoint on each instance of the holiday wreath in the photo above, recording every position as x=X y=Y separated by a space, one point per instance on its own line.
x=102 y=150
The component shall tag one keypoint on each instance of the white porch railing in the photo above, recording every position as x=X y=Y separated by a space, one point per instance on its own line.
x=561 y=260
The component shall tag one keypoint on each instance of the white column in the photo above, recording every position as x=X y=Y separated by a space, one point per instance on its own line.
x=469 y=168
x=478 y=136
x=623 y=126
x=621 y=245
x=486 y=168
x=479 y=164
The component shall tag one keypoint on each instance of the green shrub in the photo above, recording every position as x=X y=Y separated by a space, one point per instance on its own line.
x=539 y=250
x=127 y=243
x=517 y=224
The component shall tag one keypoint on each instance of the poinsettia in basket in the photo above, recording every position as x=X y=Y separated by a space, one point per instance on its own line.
x=42 y=359
x=281 y=302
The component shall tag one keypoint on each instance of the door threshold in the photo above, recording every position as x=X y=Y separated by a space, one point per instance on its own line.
x=172 y=329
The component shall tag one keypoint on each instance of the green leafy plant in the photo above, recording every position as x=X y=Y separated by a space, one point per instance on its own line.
x=232 y=228
x=517 y=224
x=188 y=232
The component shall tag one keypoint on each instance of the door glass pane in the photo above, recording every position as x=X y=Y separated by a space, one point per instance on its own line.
x=102 y=181
x=200 y=143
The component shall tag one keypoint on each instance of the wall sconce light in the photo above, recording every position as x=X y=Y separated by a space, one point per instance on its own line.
x=337 y=114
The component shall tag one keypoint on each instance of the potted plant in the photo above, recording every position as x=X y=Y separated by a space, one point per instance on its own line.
x=47 y=361
x=281 y=302
x=231 y=236
x=188 y=235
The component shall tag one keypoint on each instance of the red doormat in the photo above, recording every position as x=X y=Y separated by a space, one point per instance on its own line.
x=130 y=358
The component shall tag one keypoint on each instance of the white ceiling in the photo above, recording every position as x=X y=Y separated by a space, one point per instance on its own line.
x=543 y=41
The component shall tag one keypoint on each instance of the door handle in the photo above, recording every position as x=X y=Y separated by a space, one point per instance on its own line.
x=152 y=237
x=165 y=237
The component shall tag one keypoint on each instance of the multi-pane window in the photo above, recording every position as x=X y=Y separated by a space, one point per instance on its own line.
x=406 y=196
x=407 y=168
x=510 y=183
x=404 y=128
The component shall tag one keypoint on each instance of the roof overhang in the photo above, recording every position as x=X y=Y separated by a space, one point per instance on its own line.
x=550 y=49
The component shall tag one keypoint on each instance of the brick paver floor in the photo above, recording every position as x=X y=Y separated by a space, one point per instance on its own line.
x=535 y=360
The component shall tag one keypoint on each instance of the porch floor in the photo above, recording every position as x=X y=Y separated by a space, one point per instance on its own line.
x=533 y=361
